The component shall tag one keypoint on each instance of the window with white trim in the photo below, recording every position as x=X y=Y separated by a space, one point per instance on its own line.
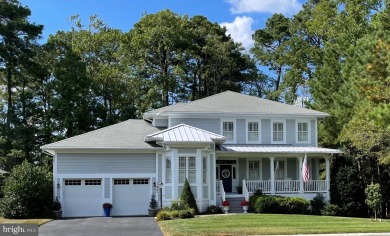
x=168 y=170
x=204 y=170
x=140 y=181
x=187 y=169
x=93 y=182
x=254 y=170
x=303 y=132
x=228 y=130
x=253 y=131
x=278 y=132
x=72 y=182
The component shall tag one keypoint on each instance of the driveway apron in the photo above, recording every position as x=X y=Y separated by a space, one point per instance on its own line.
x=101 y=226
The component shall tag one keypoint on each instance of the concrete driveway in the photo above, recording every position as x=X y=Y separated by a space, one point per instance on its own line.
x=101 y=226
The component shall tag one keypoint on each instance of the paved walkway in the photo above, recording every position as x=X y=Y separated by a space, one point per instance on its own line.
x=101 y=226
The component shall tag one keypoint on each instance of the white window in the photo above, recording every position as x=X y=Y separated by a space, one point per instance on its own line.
x=279 y=170
x=187 y=169
x=278 y=132
x=254 y=170
x=228 y=130
x=168 y=170
x=303 y=132
x=204 y=170
x=253 y=131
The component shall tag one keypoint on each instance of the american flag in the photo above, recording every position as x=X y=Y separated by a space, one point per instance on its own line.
x=305 y=170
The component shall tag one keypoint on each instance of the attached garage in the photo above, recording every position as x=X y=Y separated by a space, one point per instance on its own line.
x=131 y=196
x=82 y=197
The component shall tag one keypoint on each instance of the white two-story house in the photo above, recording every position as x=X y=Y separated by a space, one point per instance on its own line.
x=218 y=143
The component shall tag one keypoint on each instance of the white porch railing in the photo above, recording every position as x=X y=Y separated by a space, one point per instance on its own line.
x=222 y=191
x=286 y=186
x=253 y=185
x=315 y=186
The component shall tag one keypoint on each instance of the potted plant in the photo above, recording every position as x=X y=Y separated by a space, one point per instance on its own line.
x=107 y=208
x=245 y=205
x=153 y=206
x=57 y=209
x=225 y=205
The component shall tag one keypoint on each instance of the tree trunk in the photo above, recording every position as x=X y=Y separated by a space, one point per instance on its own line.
x=9 y=97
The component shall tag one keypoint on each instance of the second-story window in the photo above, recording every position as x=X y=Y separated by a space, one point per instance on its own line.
x=303 y=132
x=278 y=132
x=228 y=130
x=253 y=131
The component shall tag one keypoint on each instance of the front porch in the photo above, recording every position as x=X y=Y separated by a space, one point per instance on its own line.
x=240 y=177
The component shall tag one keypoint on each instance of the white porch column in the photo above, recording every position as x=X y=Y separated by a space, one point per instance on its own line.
x=175 y=173
x=301 y=190
x=327 y=168
x=199 y=184
x=272 y=171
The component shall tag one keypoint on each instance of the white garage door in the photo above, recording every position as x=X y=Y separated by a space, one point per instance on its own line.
x=82 y=197
x=131 y=196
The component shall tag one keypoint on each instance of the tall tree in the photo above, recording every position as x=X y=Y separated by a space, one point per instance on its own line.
x=271 y=48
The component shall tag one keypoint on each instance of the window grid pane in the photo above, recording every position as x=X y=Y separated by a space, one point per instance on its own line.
x=253 y=131
x=254 y=168
x=303 y=132
x=278 y=132
x=228 y=130
x=168 y=171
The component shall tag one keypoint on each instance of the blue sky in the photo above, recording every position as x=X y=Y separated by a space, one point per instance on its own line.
x=240 y=17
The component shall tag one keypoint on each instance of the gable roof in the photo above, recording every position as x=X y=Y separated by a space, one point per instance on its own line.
x=235 y=103
x=185 y=133
x=128 y=134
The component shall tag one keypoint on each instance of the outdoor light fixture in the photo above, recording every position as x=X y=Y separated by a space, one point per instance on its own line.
x=154 y=184
x=58 y=185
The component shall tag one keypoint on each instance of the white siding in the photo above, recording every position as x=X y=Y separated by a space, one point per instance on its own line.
x=265 y=131
x=106 y=163
x=290 y=132
x=241 y=131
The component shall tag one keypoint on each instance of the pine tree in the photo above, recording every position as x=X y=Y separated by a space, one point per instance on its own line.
x=187 y=197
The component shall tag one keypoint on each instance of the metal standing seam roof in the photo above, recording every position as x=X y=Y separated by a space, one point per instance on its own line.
x=277 y=149
x=235 y=103
x=185 y=133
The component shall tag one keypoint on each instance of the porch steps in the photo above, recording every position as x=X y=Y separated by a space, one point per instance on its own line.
x=235 y=203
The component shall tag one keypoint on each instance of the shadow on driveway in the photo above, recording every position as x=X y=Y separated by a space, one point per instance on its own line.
x=101 y=226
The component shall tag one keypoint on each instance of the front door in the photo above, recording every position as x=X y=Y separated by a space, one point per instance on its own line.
x=225 y=174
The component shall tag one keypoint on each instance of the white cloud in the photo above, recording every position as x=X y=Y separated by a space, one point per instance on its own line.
x=241 y=30
x=288 y=7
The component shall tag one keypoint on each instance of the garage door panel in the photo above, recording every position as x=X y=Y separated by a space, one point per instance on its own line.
x=131 y=199
x=82 y=200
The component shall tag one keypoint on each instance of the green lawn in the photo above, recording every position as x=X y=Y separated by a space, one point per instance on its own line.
x=24 y=221
x=247 y=224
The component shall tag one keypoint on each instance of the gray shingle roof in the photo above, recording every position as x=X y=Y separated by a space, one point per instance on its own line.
x=129 y=134
x=235 y=103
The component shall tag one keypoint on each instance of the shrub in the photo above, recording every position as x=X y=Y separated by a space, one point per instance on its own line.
x=317 y=204
x=253 y=199
x=331 y=210
x=187 y=197
x=56 y=205
x=296 y=205
x=153 y=204
x=281 y=205
x=213 y=210
x=175 y=211
x=267 y=204
x=28 y=192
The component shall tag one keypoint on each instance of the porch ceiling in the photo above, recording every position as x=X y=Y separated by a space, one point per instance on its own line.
x=276 y=149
